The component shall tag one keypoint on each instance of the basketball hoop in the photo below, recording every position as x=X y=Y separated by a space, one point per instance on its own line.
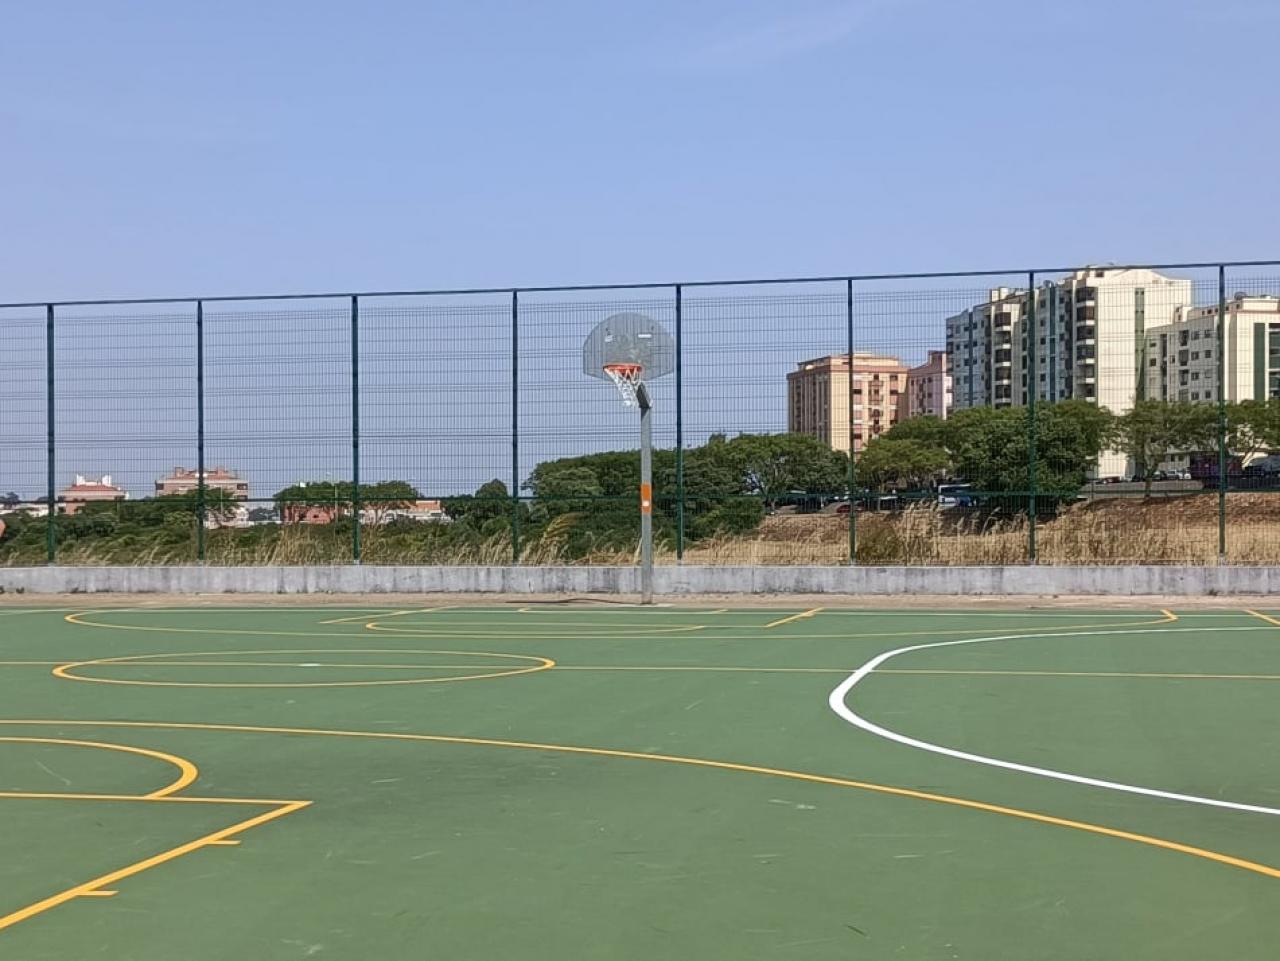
x=626 y=377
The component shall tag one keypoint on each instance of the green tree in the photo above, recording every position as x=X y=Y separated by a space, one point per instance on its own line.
x=990 y=447
x=889 y=462
x=339 y=495
x=1253 y=427
x=774 y=465
x=928 y=430
x=1153 y=429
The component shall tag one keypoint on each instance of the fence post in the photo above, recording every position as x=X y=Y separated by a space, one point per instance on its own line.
x=200 y=481
x=679 y=424
x=1033 y=386
x=515 y=427
x=50 y=532
x=355 y=429
x=852 y=478
x=1222 y=414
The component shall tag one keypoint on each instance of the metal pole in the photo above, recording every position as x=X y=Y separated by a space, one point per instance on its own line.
x=355 y=430
x=679 y=425
x=1222 y=415
x=646 y=496
x=200 y=481
x=51 y=532
x=1032 y=390
x=853 y=507
x=515 y=427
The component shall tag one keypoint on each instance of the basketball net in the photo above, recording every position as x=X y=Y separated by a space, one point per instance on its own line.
x=626 y=377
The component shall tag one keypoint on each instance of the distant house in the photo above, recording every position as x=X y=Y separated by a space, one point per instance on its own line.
x=184 y=481
x=87 y=490
x=428 y=511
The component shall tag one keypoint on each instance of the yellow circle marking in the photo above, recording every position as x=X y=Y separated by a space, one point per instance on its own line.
x=187 y=772
x=535 y=665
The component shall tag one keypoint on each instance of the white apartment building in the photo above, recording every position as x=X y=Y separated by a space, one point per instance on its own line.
x=984 y=366
x=1091 y=342
x=1182 y=360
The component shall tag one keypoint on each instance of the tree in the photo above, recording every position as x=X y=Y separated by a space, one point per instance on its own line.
x=490 y=503
x=889 y=462
x=928 y=430
x=1153 y=429
x=339 y=496
x=774 y=465
x=1253 y=427
x=10 y=499
x=990 y=447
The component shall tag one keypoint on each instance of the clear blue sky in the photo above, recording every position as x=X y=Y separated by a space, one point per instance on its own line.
x=236 y=147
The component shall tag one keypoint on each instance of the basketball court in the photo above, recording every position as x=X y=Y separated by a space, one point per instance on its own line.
x=599 y=780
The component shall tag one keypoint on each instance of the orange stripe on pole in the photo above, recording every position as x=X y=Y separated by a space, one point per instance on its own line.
x=646 y=498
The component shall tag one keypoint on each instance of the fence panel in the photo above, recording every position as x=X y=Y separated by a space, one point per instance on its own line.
x=943 y=465
x=125 y=414
x=578 y=444
x=436 y=430
x=765 y=360
x=278 y=419
x=1251 y=333
x=1105 y=415
x=24 y=437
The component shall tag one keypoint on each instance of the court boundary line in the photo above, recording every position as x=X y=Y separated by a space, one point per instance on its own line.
x=709 y=763
x=188 y=772
x=837 y=701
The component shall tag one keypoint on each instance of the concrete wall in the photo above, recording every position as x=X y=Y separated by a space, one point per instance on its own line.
x=1185 y=581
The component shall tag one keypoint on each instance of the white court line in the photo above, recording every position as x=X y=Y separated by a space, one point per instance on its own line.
x=838 y=698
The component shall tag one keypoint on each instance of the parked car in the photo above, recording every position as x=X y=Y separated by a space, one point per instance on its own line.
x=955 y=496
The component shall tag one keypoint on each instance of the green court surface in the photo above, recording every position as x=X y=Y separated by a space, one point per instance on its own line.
x=596 y=781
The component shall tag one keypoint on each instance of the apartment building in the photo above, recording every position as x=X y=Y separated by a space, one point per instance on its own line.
x=980 y=350
x=1091 y=342
x=929 y=387
x=184 y=481
x=1182 y=361
x=819 y=393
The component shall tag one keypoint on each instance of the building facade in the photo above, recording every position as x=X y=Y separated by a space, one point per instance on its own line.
x=1091 y=342
x=929 y=387
x=183 y=481
x=819 y=393
x=1182 y=360
x=87 y=490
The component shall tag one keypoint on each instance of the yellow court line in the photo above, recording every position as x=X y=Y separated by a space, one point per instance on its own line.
x=1266 y=617
x=300 y=665
x=525 y=632
x=604 y=634
x=884 y=789
x=167 y=799
x=187 y=772
x=365 y=615
x=1121 y=674
x=88 y=888
x=845 y=670
x=794 y=617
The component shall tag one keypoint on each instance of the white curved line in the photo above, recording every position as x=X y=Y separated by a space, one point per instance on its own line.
x=837 y=703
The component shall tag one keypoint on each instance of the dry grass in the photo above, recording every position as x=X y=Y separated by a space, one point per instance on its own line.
x=1182 y=530
x=1170 y=530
